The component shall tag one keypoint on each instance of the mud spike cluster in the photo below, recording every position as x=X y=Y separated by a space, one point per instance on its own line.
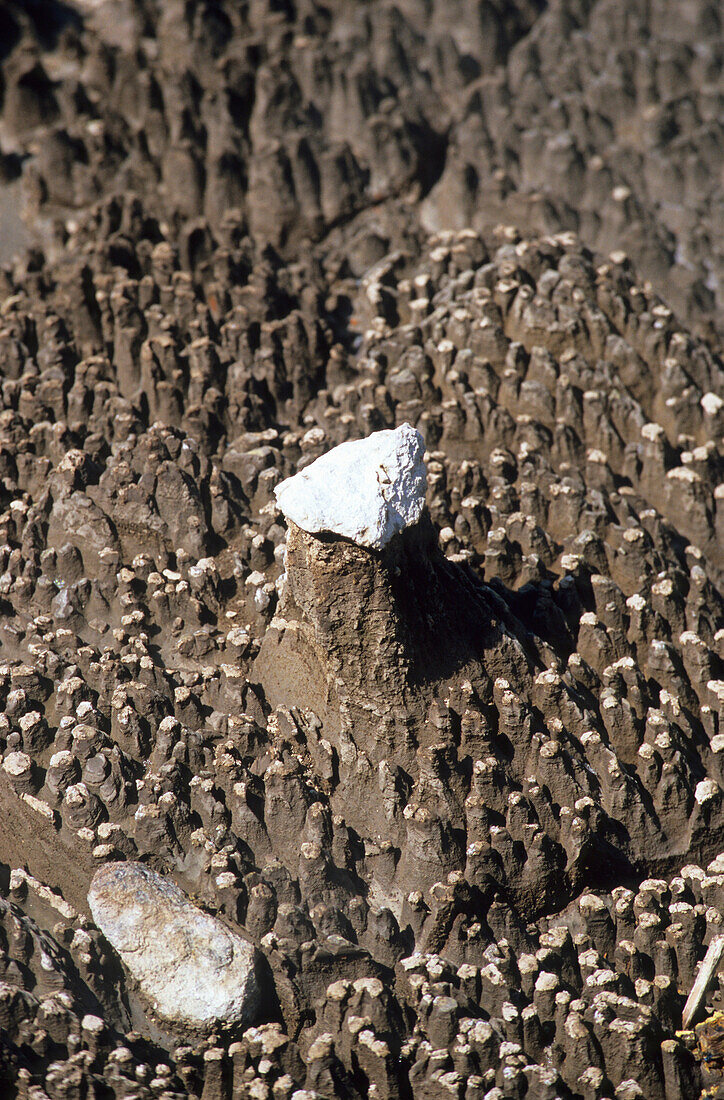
x=386 y=852
x=362 y=129
x=460 y=786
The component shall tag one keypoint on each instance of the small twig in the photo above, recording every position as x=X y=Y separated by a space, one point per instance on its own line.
x=703 y=980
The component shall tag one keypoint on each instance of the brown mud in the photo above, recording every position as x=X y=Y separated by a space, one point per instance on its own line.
x=465 y=795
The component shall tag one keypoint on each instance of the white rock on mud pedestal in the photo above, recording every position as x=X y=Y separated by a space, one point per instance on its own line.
x=190 y=968
x=366 y=490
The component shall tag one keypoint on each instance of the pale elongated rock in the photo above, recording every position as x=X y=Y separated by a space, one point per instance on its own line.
x=191 y=969
x=367 y=490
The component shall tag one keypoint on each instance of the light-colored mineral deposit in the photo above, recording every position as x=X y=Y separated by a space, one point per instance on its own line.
x=190 y=968
x=366 y=490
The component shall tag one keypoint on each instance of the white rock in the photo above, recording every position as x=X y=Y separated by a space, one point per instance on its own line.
x=711 y=403
x=366 y=490
x=706 y=790
x=191 y=968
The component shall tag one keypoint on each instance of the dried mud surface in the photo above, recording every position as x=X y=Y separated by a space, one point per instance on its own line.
x=465 y=795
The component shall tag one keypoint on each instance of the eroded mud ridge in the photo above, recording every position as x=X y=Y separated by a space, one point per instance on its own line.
x=432 y=806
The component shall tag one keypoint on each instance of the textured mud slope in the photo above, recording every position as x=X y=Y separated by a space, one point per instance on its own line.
x=464 y=794
x=604 y=118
